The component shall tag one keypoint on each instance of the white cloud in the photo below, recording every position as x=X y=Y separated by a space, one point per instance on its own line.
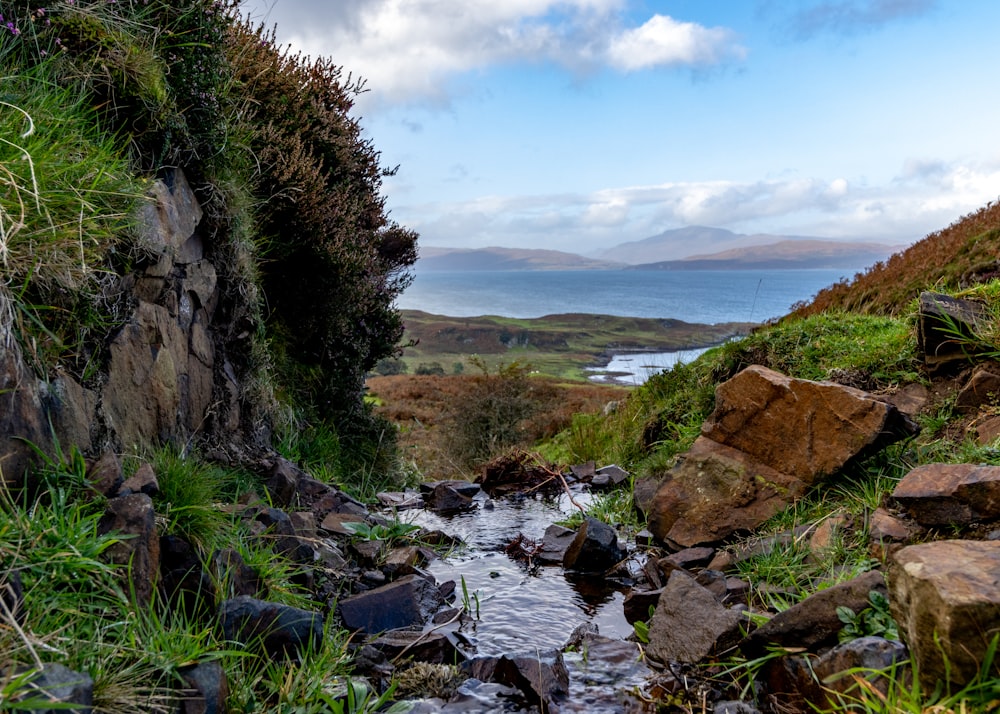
x=411 y=50
x=899 y=211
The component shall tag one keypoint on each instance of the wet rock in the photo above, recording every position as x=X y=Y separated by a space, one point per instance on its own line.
x=946 y=327
x=595 y=548
x=541 y=676
x=609 y=477
x=64 y=688
x=400 y=500
x=982 y=389
x=282 y=631
x=554 y=544
x=605 y=675
x=134 y=516
x=207 y=689
x=639 y=604
x=945 y=599
x=466 y=488
x=334 y=523
x=950 y=494
x=409 y=601
x=435 y=647
x=444 y=498
x=813 y=622
x=690 y=623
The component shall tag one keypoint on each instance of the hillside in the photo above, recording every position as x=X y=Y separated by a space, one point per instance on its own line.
x=782 y=255
x=964 y=254
x=473 y=259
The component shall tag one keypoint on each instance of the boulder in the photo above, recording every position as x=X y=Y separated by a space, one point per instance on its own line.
x=142 y=481
x=407 y=602
x=62 y=686
x=945 y=599
x=595 y=548
x=541 y=675
x=716 y=491
x=982 y=389
x=104 y=474
x=556 y=540
x=282 y=631
x=813 y=623
x=690 y=623
x=134 y=518
x=768 y=440
x=446 y=499
x=798 y=427
x=950 y=494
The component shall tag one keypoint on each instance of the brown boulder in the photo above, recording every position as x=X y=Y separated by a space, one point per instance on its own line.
x=134 y=518
x=950 y=494
x=945 y=598
x=798 y=427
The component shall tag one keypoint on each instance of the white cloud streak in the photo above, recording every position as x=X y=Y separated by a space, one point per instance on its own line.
x=926 y=196
x=412 y=50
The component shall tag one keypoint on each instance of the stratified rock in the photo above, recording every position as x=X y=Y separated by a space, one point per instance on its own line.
x=134 y=517
x=950 y=494
x=207 y=689
x=798 y=427
x=946 y=329
x=813 y=623
x=945 y=599
x=595 y=548
x=409 y=601
x=690 y=623
x=282 y=631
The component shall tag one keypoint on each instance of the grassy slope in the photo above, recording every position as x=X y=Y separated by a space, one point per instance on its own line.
x=557 y=345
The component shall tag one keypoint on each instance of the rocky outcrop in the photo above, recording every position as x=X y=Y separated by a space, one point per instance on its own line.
x=769 y=439
x=167 y=376
x=945 y=598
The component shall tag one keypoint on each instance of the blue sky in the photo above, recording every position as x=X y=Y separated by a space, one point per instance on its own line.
x=579 y=124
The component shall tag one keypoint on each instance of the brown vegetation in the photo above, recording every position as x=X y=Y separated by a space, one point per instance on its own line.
x=964 y=254
x=420 y=404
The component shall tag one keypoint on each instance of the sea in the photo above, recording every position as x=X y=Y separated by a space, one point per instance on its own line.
x=697 y=296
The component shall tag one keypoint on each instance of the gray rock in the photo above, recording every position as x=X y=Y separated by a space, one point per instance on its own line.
x=595 y=548
x=554 y=543
x=207 y=689
x=407 y=602
x=282 y=631
x=64 y=686
x=946 y=327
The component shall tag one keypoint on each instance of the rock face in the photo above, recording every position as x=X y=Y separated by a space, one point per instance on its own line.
x=166 y=366
x=945 y=598
x=769 y=439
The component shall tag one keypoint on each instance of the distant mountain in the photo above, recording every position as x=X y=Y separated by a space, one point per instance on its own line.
x=784 y=254
x=441 y=259
x=704 y=242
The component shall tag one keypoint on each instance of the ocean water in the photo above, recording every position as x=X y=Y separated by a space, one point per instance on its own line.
x=704 y=296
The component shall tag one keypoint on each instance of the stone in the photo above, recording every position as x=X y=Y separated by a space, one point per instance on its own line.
x=584 y=471
x=62 y=686
x=946 y=329
x=988 y=430
x=283 y=481
x=554 y=543
x=170 y=218
x=284 y=632
x=595 y=548
x=435 y=647
x=134 y=517
x=407 y=602
x=399 y=500
x=403 y=560
x=334 y=523
x=303 y=523
x=638 y=605
x=612 y=475
x=982 y=389
x=950 y=494
x=910 y=399
x=234 y=576
x=946 y=601
x=605 y=675
x=686 y=559
x=715 y=492
x=798 y=427
x=813 y=623
x=827 y=534
x=444 y=498
x=864 y=654
x=466 y=488
x=207 y=689
x=690 y=623
x=104 y=474
x=541 y=676
x=186 y=584
x=142 y=481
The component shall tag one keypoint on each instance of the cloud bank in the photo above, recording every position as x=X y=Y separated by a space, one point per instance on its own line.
x=410 y=50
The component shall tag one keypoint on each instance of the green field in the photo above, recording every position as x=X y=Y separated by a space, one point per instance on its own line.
x=558 y=345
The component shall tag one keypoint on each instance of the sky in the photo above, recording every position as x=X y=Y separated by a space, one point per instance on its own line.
x=576 y=125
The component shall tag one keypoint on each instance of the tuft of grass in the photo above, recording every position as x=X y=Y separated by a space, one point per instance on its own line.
x=189 y=497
